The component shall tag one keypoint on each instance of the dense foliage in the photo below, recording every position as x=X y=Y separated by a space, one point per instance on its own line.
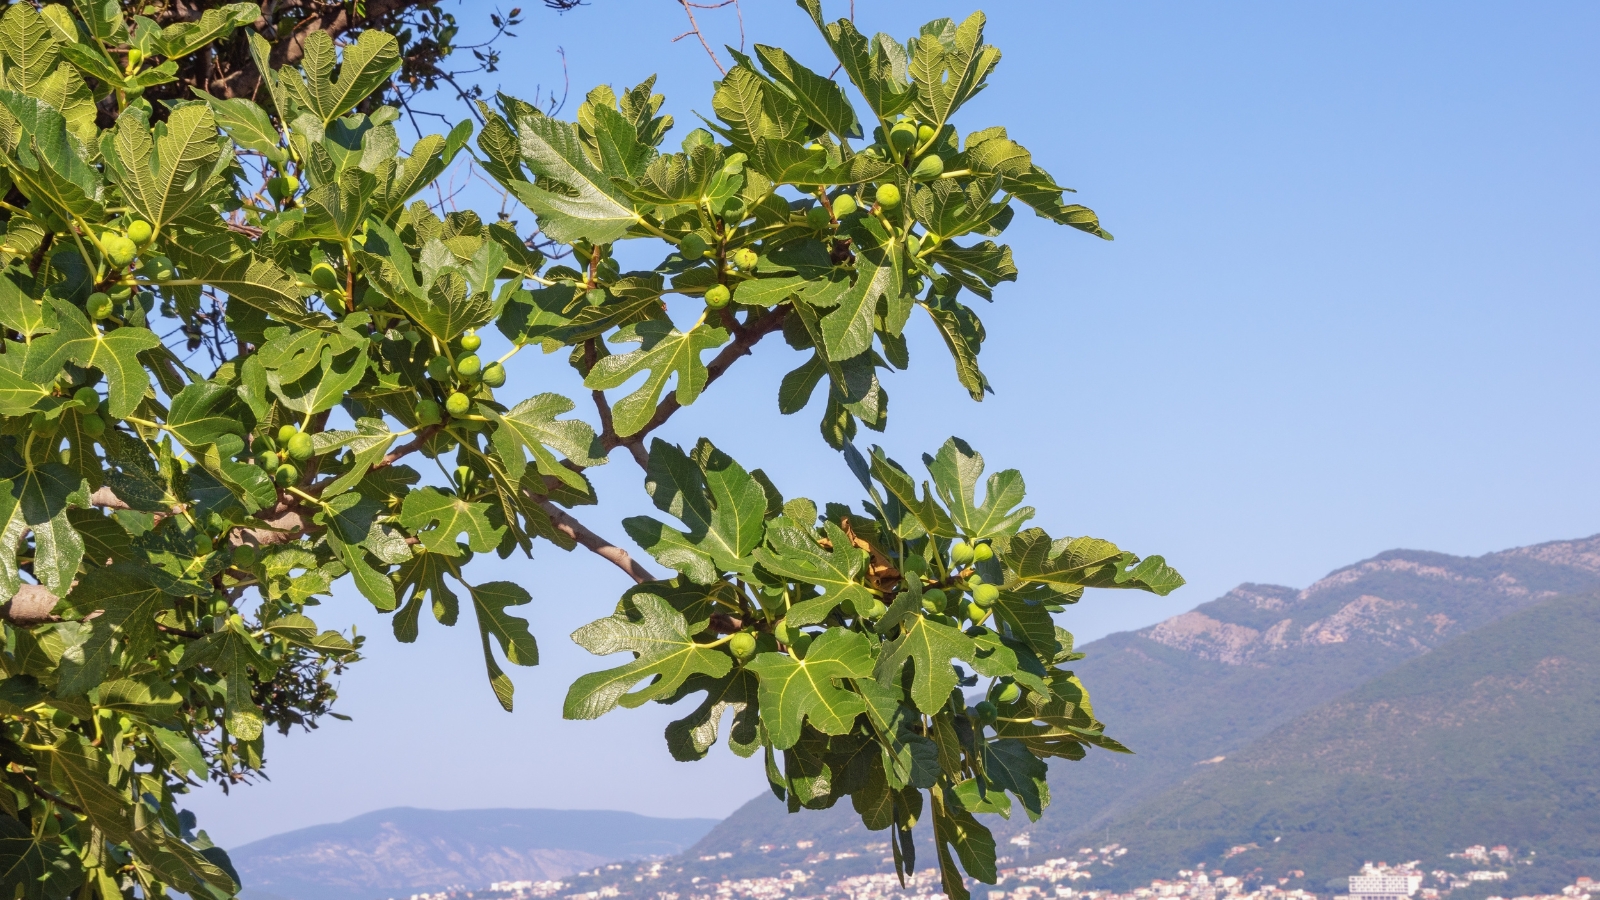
x=166 y=530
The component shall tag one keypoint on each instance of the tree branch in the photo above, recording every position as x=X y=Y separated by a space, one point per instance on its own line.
x=576 y=530
x=744 y=341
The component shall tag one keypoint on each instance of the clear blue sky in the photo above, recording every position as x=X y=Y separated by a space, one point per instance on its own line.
x=1351 y=307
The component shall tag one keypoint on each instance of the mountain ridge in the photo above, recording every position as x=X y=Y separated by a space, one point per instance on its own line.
x=403 y=850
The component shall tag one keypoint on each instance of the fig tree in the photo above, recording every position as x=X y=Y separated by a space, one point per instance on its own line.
x=428 y=411
x=325 y=276
x=457 y=403
x=960 y=553
x=469 y=366
x=843 y=205
x=119 y=249
x=470 y=342
x=742 y=646
x=800 y=644
x=99 y=306
x=718 y=295
x=902 y=137
x=300 y=447
x=929 y=168
x=494 y=375
x=985 y=595
x=693 y=246
x=140 y=232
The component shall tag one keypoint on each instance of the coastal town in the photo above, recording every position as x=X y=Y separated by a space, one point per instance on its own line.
x=1062 y=878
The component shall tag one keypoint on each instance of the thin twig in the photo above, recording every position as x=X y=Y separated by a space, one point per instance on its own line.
x=694 y=29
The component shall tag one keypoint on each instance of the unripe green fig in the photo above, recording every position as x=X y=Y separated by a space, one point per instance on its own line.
x=285 y=432
x=269 y=460
x=244 y=556
x=693 y=246
x=913 y=244
x=745 y=259
x=457 y=403
x=291 y=184
x=135 y=59
x=928 y=168
x=494 y=375
x=985 y=595
x=99 y=306
x=985 y=712
x=800 y=644
x=286 y=475
x=843 y=205
x=817 y=218
x=325 y=276
x=470 y=342
x=94 y=425
x=86 y=397
x=976 y=613
x=140 y=232
x=742 y=646
x=119 y=250
x=982 y=553
x=219 y=605
x=902 y=137
x=300 y=447
x=925 y=133
x=960 y=553
x=463 y=477
x=876 y=610
x=888 y=196
x=1011 y=693
x=935 y=601
x=428 y=411
x=718 y=296
x=468 y=366
x=439 y=368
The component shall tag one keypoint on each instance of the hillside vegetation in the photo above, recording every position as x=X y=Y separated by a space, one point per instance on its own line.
x=1492 y=738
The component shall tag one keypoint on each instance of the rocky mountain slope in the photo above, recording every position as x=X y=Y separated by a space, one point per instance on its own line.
x=1206 y=684
x=398 y=852
x=1493 y=737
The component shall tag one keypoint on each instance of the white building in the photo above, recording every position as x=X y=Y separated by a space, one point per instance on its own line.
x=1384 y=886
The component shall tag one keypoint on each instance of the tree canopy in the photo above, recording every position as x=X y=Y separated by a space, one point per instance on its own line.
x=241 y=378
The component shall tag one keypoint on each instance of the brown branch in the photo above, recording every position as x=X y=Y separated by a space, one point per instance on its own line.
x=744 y=341
x=576 y=530
x=423 y=436
x=694 y=29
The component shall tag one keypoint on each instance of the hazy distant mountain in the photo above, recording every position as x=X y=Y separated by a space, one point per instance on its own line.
x=1492 y=738
x=397 y=852
x=1212 y=681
